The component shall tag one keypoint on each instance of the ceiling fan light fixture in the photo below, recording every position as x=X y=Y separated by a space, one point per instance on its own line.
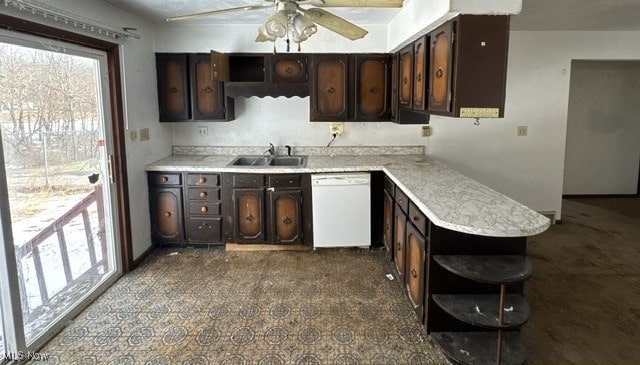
x=302 y=28
x=276 y=25
x=264 y=36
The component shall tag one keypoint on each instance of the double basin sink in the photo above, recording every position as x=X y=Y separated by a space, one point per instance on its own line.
x=269 y=161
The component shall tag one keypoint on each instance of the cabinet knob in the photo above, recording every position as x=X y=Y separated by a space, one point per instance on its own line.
x=208 y=90
x=165 y=179
x=331 y=90
x=415 y=218
x=167 y=214
x=202 y=180
x=439 y=73
x=203 y=194
x=203 y=210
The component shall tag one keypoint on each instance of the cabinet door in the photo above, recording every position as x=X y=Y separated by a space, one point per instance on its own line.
x=406 y=76
x=329 y=94
x=414 y=269
x=207 y=94
x=399 y=227
x=388 y=223
x=395 y=75
x=420 y=73
x=372 y=97
x=287 y=69
x=166 y=215
x=249 y=215
x=173 y=91
x=285 y=218
x=441 y=68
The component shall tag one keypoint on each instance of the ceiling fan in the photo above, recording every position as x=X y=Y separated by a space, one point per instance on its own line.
x=297 y=23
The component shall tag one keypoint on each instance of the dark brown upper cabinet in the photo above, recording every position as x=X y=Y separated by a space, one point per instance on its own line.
x=395 y=75
x=468 y=57
x=406 y=77
x=288 y=69
x=207 y=94
x=261 y=74
x=420 y=75
x=186 y=91
x=372 y=87
x=173 y=87
x=330 y=92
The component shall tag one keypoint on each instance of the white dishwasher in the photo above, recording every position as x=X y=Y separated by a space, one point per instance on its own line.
x=341 y=209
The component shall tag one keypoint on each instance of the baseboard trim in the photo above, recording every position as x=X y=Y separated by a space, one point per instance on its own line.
x=141 y=258
x=265 y=247
x=599 y=196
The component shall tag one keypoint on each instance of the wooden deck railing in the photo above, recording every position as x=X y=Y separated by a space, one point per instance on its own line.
x=32 y=247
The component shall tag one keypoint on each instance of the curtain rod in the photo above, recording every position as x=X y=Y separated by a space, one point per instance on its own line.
x=73 y=20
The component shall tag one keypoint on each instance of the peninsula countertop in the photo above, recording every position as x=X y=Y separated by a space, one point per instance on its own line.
x=448 y=198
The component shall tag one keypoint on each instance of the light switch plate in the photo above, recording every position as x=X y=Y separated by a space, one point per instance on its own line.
x=144 y=134
x=522 y=131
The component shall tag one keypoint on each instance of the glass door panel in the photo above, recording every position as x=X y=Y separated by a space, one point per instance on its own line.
x=53 y=109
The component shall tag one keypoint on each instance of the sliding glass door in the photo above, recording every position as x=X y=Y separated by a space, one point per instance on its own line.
x=55 y=126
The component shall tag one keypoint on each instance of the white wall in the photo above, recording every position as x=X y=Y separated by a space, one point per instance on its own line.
x=529 y=169
x=142 y=106
x=603 y=129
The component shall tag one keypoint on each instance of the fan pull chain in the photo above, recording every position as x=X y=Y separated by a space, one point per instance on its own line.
x=288 y=45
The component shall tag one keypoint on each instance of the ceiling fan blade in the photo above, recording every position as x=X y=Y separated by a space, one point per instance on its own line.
x=221 y=11
x=358 y=3
x=335 y=23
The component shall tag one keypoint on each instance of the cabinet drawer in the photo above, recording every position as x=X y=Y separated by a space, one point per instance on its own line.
x=204 y=209
x=203 y=179
x=284 y=181
x=205 y=230
x=248 y=181
x=159 y=178
x=203 y=194
x=389 y=186
x=418 y=219
x=402 y=200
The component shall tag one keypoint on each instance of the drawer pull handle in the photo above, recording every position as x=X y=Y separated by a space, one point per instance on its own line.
x=287 y=221
x=414 y=274
x=419 y=78
x=202 y=180
x=373 y=90
x=208 y=90
x=398 y=246
x=203 y=194
x=439 y=73
x=203 y=210
x=173 y=90
x=249 y=218
x=271 y=189
x=331 y=90
x=204 y=225
x=405 y=80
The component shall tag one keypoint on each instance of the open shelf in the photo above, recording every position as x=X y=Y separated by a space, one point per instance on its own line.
x=482 y=309
x=489 y=269
x=479 y=348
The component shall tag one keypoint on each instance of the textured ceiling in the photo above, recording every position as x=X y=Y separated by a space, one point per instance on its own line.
x=158 y=10
x=579 y=15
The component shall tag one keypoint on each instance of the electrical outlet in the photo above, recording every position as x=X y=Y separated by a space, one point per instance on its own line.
x=426 y=131
x=203 y=132
x=133 y=135
x=336 y=128
x=144 y=134
x=522 y=131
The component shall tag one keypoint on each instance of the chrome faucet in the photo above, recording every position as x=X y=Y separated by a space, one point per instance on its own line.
x=272 y=149
x=288 y=150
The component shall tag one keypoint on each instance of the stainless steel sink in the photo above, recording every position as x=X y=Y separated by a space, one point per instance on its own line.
x=269 y=161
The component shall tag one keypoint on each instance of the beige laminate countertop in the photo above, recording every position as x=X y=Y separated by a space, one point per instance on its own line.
x=448 y=198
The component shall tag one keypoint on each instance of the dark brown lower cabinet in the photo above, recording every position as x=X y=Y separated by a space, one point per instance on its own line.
x=248 y=215
x=415 y=268
x=265 y=208
x=399 y=227
x=285 y=218
x=388 y=223
x=166 y=214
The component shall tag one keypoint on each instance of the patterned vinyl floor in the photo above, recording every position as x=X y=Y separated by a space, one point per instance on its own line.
x=208 y=306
